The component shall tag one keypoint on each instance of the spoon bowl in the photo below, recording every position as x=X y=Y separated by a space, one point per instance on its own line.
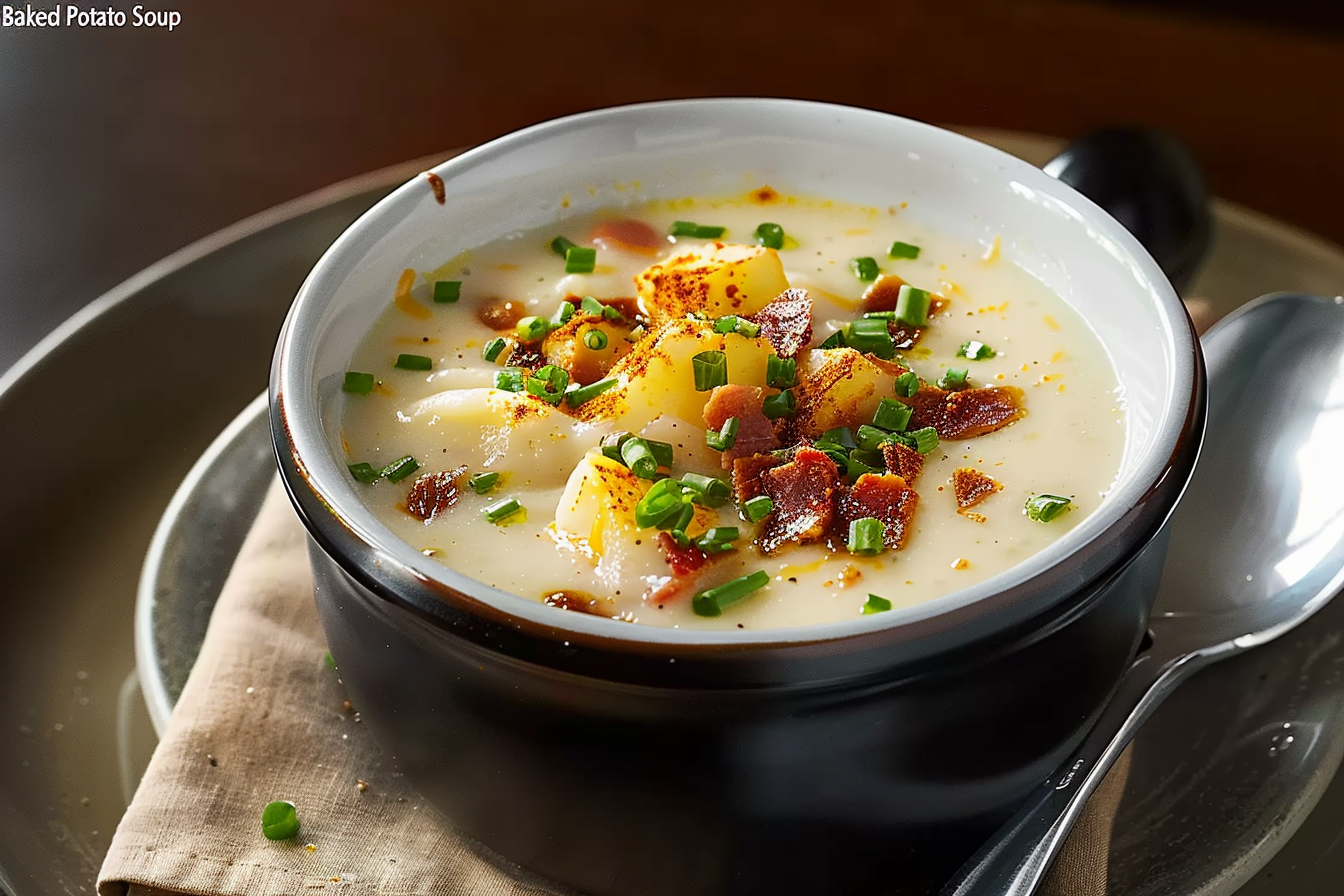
x=1257 y=547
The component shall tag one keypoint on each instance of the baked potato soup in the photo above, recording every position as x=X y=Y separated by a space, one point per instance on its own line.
x=755 y=412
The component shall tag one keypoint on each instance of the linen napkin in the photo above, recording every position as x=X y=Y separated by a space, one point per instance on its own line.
x=263 y=717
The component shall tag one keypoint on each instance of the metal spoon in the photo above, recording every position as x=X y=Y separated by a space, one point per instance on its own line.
x=1257 y=546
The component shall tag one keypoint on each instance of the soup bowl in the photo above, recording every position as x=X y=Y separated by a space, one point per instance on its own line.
x=861 y=756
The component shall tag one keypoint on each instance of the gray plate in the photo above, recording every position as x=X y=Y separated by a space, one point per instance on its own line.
x=103 y=420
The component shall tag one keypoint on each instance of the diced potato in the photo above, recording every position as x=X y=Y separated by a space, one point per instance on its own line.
x=565 y=347
x=655 y=378
x=839 y=387
x=715 y=279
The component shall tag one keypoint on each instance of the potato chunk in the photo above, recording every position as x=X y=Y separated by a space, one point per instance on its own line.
x=565 y=347
x=839 y=387
x=715 y=279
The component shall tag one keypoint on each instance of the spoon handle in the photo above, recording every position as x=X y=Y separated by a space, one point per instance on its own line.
x=1014 y=861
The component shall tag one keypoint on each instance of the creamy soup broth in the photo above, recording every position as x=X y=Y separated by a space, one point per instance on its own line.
x=1069 y=443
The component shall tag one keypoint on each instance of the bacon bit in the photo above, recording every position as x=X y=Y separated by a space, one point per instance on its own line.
x=885 y=496
x=577 y=601
x=755 y=431
x=902 y=460
x=966 y=413
x=849 y=575
x=436 y=184
x=747 y=475
x=628 y=234
x=786 y=321
x=971 y=486
x=906 y=337
x=803 y=491
x=403 y=300
x=433 y=493
x=529 y=356
x=881 y=296
x=501 y=314
x=764 y=196
x=684 y=561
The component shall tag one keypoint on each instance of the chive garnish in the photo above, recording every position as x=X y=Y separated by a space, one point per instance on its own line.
x=663 y=505
x=907 y=384
x=532 y=328
x=511 y=379
x=731 y=323
x=713 y=601
x=717 y=540
x=697 y=231
x=758 y=508
x=875 y=604
x=864 y=268
x=892 y=415
x=577 y=395
x=726 y=437
x=590 y=305
x=580 y=260
x=279 y=820
x=769 y=235
x=725 y=324
x=748 y=328
x=400 y=468
x=952 y=379
x=926 y=439
x=638 y=456
x=483 y=483
x=781 y=404
x=710 y=369
x=912 y=305
x=364 y=473
x=835 y=340
x=494 y=348
x=880 y=315
x=595 y=339
x=870 y=438
x=903 y=250
x=501 y=510
x=975 y=350
x=447 y=291
x=560 y=246
x=561 y=316
x=1044 y=508
x=781 y=373
x=548 y=383
x=865 y=536
x=871 y=335
x=612 y=313
x=709 y=490
x=358 y=383
x=413 y=362
x=860 y=461
x=840 y=436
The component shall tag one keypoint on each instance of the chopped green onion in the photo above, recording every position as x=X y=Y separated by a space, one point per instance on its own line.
x=662 y=452
x=711 y=491
x=483 y=483
x=580 y=260
x=769 y=235
x=1044 y=508
x=713 y=601
x=870 y=438
x=638 y=456
x=698 y=231
x=494 y=348
x=835 y=340
x=662 y=505
x=560 y=246
x=400 y=468
x=781 y=373
x=447 y=291
x=595 y=339
x=875 y=604
x=612 y=313
x=548 y=383
x=329 y=660
x=358 y=383
x=781 y=404
x=680 y=537
x=841 y=436
x=902 y=250
x=865 y=536
x=892 y=415
x=975 y=350
x=912 y=305
x=279 y=820
x=511 y=379
x=758 y=508
x=726 y=437
x=577 y=395
x=365 y=473
x=952 y=379
x=926 y=439
x=861 y=461
x=747 y=328
x=717 y=540
x=413 y=362
x=611 y=444
x=864 y=268
x=725 y=324
x=710 y=369
x=501 y=510
x=871 y=335
x=592 y=306
x=532 y=328
x=561 y=315
x=880 y=315
x=907 y=384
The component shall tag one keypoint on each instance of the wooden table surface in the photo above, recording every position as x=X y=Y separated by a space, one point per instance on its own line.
x=119 y=145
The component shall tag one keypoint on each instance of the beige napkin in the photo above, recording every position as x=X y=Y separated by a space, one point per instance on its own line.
x=263 y=717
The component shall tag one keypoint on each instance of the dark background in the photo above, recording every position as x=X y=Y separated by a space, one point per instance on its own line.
x=118 y=146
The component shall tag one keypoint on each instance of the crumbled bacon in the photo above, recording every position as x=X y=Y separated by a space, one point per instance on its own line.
x=683 y=560
x=786 y=322
x=803 y=491
x=971 y=486
x=433 y=493
x=755 y=431
x=882 y=295
x=747 y=475
x=884 y=496
x=902 y=460
x=529 y=356
x=968 y=412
